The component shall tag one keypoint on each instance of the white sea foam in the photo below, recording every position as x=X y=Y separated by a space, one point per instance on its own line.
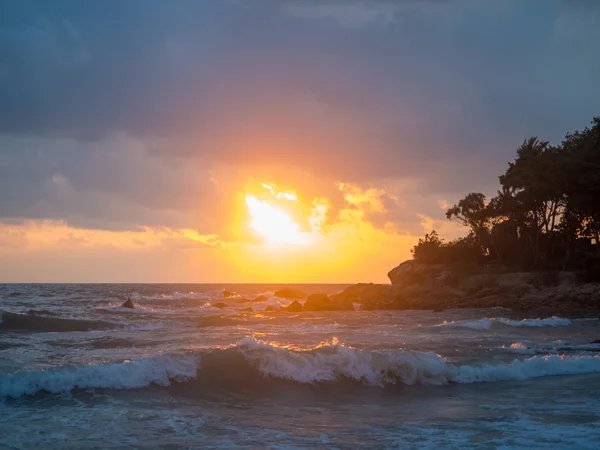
x=335 y=361
x=179 y=296
x=519 y=347
x=486 y=324
x=328 y=362
x=481 y=324
x=140 y=373
x=548 y=322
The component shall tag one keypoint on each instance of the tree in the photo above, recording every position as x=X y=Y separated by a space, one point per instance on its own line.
x=427 y=251
x=472 y=212
x=546 y=214
x=532 y=194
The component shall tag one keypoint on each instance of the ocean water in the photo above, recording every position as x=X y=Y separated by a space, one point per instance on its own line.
x=78 y=371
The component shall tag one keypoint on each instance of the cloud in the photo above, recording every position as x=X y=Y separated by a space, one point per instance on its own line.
x=44 y=235
x=123 y=115
x=351 y=13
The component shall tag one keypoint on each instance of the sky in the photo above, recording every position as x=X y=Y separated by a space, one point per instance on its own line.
x=268 y=140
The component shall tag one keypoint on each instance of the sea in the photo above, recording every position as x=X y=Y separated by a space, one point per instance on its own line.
x=78 y=371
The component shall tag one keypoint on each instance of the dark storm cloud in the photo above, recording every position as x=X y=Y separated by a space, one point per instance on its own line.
x=442 y=91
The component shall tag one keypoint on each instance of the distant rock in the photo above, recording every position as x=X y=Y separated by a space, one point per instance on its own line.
x=248 y=309
x=243 y=300
x=321 y=302
x=127 y=304
x=220 y=305
x=269 y=308
x=228 y=294
x=260 y=298
x=289 y=294
x=597 y=341
x=295 y=306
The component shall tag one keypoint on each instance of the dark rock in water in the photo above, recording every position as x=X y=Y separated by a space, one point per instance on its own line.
x=295 y=306
x=220 y=305
x=243 y=300
x=321 y=302
x=228 y=294
x=269 y=308
x=439 y=309
x=248 y=309
x=127 y=304
x=597 y=341
x=260 y=298
x=289 y=294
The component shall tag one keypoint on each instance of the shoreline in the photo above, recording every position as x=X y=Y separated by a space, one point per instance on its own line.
x=434 y=288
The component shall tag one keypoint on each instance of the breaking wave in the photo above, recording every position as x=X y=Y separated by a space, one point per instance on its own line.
x=253 y=364
x=486 y=324
x=160 y=370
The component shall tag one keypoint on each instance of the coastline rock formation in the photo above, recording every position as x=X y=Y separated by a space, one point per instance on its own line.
x=411 y=272
x=295 y=306
x=436 y=288
x=321 y=302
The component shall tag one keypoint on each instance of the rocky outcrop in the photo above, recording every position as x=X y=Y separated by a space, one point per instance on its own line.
x=289 y=294
x=411 y=272
x=295 y=306
x=228 y=294
x=260 y=298
x=321 y=302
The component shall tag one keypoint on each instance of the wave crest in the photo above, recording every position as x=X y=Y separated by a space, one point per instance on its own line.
x=253 y=364
x=160 y=370
x=486 y=323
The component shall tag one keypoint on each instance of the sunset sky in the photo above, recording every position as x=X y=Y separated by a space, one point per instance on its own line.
x=268 y=141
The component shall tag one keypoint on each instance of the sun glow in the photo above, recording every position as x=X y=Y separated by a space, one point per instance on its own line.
x=273 y=224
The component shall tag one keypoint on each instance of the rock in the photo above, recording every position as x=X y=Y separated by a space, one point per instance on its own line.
x=248 y=309
x=228 y=294
x=127 y=304
x=260 y=298
x=220 y=305
x=411 y=272
x=269 y=308
x=289 y=294
x=367 y=295
x=597 y=341
x=439 y=309
x=295 y=306
x=243 y=300
x=321 y=302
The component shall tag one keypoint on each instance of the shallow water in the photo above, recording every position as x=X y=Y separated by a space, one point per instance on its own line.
x=177 y=372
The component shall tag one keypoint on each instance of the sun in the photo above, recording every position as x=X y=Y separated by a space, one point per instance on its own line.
x=273 y=224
